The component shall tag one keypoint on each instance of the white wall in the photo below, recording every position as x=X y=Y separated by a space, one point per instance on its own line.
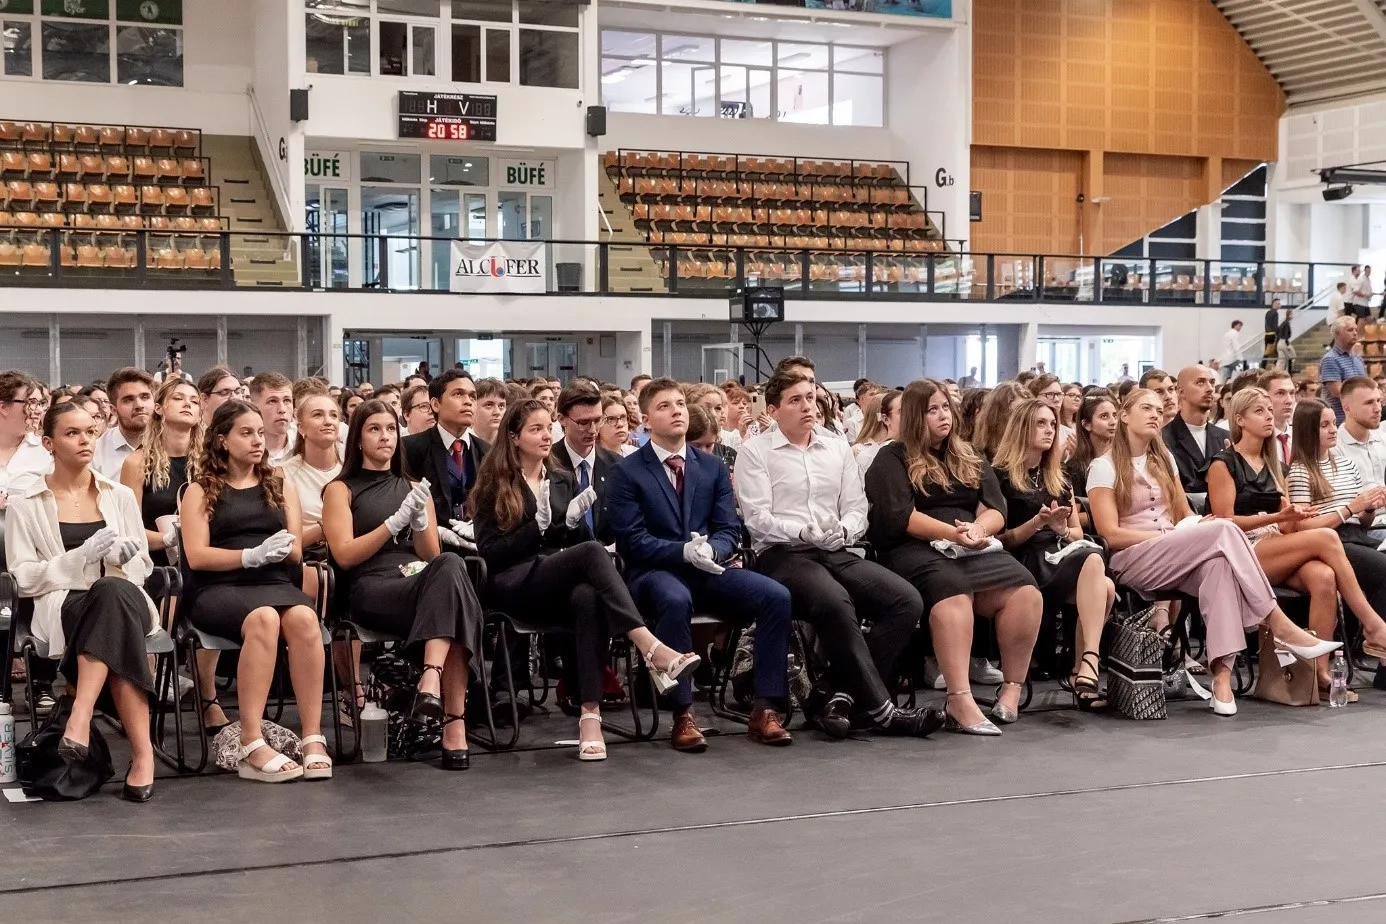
x=278 y=30
x=217 y=65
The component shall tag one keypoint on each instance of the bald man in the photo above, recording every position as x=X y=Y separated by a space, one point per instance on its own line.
x=1190 y=436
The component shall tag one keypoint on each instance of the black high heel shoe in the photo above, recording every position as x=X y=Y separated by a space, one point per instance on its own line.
x=1087 y=694
x=207 y=704
x=459 y=759
x=136 y=793
x=427 y=705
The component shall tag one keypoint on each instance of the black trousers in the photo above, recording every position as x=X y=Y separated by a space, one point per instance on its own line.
x=578 y=589
x=831 y=591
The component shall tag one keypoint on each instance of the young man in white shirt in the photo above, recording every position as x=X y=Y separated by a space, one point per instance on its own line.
x=131 y=391
x=1360 y=439
x=802 y=499
x=1362 y=293
x=1337 y=302
x=273 y=395
x=1231 y=356
x=1280 y=385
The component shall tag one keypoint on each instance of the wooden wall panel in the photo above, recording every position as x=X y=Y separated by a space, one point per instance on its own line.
x=1147 y=192
x=1029 y=202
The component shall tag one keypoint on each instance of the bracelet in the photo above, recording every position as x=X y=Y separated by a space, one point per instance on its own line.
x=1341 y=517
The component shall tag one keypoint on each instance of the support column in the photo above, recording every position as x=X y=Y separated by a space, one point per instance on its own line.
x=55 y=352
x=1090 y=225
x=221 y=343
x=798 y=338
x=923 y=340
x=334 y=368
x=1028 y=347
x=984 y=373
x=668 y=348
x=301 y=349
x=861 y=351
x=139 y=341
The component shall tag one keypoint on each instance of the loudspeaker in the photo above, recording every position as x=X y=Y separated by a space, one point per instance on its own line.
x=596 y=121
x=298 y=105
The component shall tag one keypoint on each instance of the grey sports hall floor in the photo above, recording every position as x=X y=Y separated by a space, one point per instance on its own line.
x=1272 y=815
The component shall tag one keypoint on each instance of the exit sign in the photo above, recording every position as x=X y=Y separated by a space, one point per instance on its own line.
x=527 y=174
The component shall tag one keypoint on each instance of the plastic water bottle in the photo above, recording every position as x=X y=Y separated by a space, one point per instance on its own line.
x=1337 y=682
x=8 y=771
x=374 y=725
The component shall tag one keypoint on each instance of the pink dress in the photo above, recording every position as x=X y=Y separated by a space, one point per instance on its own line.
x=1211 y=560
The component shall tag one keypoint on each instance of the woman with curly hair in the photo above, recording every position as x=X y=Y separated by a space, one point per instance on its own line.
x=240 y=527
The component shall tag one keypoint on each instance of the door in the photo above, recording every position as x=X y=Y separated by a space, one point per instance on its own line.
x=356 y=358
x=454 y=215
x=553 y=360
x=722 y=361
x=327 y=256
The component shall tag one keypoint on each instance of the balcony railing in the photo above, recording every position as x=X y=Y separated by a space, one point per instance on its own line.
x=388 y=263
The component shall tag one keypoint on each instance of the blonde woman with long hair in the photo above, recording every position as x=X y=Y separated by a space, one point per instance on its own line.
x=1041 y=520
x=930 y=486
x=1137 y=501
x=880 y=423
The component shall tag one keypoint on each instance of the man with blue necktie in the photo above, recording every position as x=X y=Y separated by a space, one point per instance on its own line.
x=673 y=514
x=579 y=410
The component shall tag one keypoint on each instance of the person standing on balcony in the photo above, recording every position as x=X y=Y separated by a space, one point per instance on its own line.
x=1284 y=349
x=1231 y=358
x=1337 y=302
x=1359 y=294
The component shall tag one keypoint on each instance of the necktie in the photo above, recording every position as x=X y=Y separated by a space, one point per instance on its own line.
x=583 y=484
x=459 y=460
x=1284 y=439
x=675 y=464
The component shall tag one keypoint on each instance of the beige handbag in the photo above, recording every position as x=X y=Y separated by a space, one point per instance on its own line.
x=1295 y=684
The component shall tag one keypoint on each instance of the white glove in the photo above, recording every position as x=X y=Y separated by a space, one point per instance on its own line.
x=99 y=543
x=460 y=534
x=123 y=550
x=464 y=529
x=412 y=505
x=171 y=537
x=698 y=553
x=579 y=506
x=830 y=538
x=270 y=552
x=420 y=521
x=543 y=517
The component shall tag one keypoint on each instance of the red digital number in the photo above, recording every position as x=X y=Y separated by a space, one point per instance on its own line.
x=434 y=130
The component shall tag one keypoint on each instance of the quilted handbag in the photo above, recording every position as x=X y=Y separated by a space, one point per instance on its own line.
x=1135 y=679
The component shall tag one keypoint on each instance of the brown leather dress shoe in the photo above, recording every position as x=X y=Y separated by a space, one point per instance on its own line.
x=765 y=728
x=686 y=736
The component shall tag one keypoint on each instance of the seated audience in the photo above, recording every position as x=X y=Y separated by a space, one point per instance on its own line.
x=703 y=433
x=1041 y=522
x=132 y=395
x=969 y=403
x=315 y=461
x=273 y=395
x=1049 y=389
x=548 y=565
x=215 y=387
x=490 y=409
x=1191 y=437
x=996 y=409
x=615 y=430
x=1360 y=438
x=1097 y=420
x=672 y=511
x=381 y=530
x=1162 y=383
x=879 y=425
x=76 y=545
x=580 y=453
x=418 y=411
x=1137 y=501
x=802 y=498
x=935 y=509
x=240 y=525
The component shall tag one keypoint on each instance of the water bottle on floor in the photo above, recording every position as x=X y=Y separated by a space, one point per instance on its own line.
x=1337 y=680
x=8 y=771
x=374 y=725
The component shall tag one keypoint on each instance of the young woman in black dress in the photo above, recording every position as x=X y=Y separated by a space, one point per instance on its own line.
x=1246 y=484
x=239 y=522
x=1041 y=519
x=75 y=544
x=531 y=527
x=929 y=486
x=381 y=531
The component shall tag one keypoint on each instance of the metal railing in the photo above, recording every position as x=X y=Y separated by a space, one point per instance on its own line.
x=321 y=261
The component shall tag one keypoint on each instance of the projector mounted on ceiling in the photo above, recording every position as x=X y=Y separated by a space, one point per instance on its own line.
x=1341 y=180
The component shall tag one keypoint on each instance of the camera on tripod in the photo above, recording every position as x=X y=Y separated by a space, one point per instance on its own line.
x=175 y=349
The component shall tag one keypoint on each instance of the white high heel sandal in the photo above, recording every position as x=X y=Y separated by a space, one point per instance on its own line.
x=666 y=680
x=272 y=772
x=590 y=749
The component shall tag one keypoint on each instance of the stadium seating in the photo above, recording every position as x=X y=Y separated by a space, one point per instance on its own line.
x=96 y=186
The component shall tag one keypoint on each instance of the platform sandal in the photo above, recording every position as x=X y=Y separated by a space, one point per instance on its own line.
x=272 y=772
x=455 y=758
x=668 y=678
x=590 y=749
x=427 y=705
x=316 y=766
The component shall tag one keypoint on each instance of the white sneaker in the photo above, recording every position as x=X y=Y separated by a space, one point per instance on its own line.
x=933 y=676
x=185 y=686
x=983 y=671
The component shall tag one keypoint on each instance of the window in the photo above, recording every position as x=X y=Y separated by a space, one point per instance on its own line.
x=548 y=59
x=338 y=36
x=153 y=57
x=806 y=82
x=19 y=53
x=77 y=51
x=389 y=168
x=459 y=171
x=93 y=41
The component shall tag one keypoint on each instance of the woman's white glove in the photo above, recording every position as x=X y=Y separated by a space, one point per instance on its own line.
x=578 y=507
x=420 y=521
x=270 y=552
x=459 y=534
x=98 y=544
x=123 y=550
x=543 y=516
x=171 y=537
x=413 y=504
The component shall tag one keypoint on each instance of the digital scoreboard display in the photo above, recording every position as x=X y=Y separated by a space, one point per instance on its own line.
x=447 y=116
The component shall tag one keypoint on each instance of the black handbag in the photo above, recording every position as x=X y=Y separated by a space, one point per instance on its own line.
x=43 y=772
x=1135 y=675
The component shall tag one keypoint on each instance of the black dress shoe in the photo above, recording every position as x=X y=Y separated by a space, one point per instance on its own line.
x=835 y=718
x=916 y=723
x=136 y=793
x=457 y=760
x=426 y=706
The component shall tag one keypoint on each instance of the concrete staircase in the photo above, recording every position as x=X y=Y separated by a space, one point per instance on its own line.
x=1312 y=344
x=631 y=267
x=261 y=253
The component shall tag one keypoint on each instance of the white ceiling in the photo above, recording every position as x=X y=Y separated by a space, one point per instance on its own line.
x=1315 y=49
x=767 y=22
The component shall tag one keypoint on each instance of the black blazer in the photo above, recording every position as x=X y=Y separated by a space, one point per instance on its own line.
x=511 y=555
x=425 y=456
x=605 y=461
x=1193 y=464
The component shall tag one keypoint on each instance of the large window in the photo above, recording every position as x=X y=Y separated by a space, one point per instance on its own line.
x=807 y=82
x=532 y=42
x=94 y=41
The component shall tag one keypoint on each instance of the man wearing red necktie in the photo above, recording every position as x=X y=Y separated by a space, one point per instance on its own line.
x=1281 y=387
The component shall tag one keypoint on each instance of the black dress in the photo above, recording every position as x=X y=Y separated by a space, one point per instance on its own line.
x=1056 y=581
x=221 y=600
x=107 y=621
x=1257 y=492
x=893 y=498
x=437 y=602
x=163 y=502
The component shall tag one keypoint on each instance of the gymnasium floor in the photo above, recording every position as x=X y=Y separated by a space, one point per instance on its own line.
x=1066 y=818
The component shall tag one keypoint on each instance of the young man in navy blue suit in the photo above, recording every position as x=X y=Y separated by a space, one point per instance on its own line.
x=673 y=514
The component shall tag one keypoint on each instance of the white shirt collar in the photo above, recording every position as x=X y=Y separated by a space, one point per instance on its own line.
x=590 y=458
x=778 y=440
x=449 y=439
x=1345 y=436
x=661 y=453
x=118 y=441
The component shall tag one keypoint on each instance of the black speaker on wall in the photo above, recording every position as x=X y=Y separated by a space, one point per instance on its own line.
x=298 y=105
x=596 y=121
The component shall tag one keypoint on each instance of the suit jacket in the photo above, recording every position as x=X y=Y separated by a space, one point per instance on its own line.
x=1193 y=463
x=425 y=456
x=512 y=554
x=605 y=461
x=652 y=523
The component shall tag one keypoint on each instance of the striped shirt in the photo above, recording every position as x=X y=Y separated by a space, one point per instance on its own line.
x=1343 y=478
x=1337 y=366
